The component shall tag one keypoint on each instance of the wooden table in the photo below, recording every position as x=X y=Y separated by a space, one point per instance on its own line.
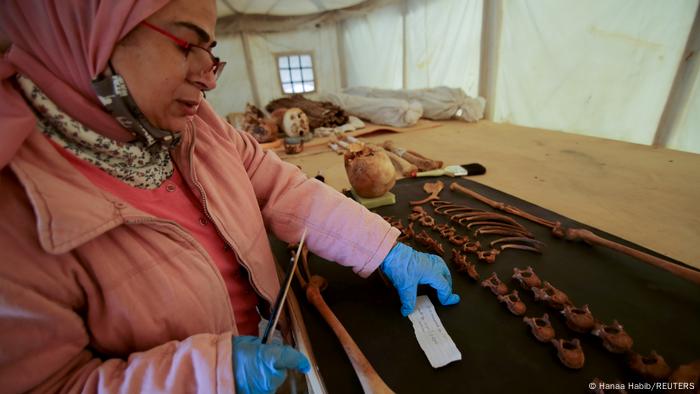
x=649 y=196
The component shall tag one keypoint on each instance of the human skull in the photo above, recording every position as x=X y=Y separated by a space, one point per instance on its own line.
x=295 y=123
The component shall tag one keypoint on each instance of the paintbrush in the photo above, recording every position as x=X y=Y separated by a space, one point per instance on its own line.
x=463 y=170
x=282 y=295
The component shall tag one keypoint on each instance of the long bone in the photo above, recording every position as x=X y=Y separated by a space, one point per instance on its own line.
x=447 y=211
x=520 y=247
x=530 y=241
x=369 y=378
x=423 y=163
x=495 y=230
x=501 y=206
x=493 y=223
x=480 y=216
x=441 y=206
x=578 y=234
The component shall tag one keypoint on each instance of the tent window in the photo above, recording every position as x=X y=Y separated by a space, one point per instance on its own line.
x=296 y=73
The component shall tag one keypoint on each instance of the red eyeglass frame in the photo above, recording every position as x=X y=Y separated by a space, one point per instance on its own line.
x=217 y=65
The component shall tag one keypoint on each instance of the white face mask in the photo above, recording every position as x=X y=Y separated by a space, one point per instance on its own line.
x=113 y=94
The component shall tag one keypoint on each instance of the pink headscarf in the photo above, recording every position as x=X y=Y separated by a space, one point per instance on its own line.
x=62 y=46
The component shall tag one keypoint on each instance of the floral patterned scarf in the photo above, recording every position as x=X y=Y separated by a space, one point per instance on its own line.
x=130 y=162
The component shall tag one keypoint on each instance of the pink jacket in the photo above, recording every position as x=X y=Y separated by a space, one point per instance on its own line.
x=97 y=296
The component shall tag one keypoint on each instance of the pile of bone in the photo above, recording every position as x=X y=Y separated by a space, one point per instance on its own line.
x=480 y=222
x=614 y=338
x=446 y=232
x=580 y=320
x=515 y=235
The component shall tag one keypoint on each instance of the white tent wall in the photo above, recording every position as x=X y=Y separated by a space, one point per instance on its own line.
x=373 y=49
x=686 y=135
x=604 y=68
x=233 y=87
x=601 y=68
x=321 y=42
x=235 y=90
x=442 y=41
x=680 y=124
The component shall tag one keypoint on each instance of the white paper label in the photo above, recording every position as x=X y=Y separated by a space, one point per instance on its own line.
x=431 y=335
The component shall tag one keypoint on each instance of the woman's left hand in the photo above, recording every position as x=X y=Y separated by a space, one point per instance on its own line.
x=407 y=268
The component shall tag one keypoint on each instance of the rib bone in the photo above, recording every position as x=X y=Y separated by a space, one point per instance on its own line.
x=587 y=236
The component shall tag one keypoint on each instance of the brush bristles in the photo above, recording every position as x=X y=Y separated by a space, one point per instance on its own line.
x=474 y=169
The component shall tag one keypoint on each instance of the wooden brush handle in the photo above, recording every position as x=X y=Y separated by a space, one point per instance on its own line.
x=370 y=380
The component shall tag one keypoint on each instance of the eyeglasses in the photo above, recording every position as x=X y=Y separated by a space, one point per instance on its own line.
x=217 y=65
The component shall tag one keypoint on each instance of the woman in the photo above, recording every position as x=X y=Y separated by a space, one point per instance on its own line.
x=134 y=245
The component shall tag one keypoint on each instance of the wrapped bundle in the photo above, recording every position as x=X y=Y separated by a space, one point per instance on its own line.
x=391 y=112
x=438 y=103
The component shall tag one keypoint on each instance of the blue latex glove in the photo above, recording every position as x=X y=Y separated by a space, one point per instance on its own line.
x=262 y=368
x=407 y=268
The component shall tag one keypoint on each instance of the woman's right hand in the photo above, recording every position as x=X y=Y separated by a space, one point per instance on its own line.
x=261 y=368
